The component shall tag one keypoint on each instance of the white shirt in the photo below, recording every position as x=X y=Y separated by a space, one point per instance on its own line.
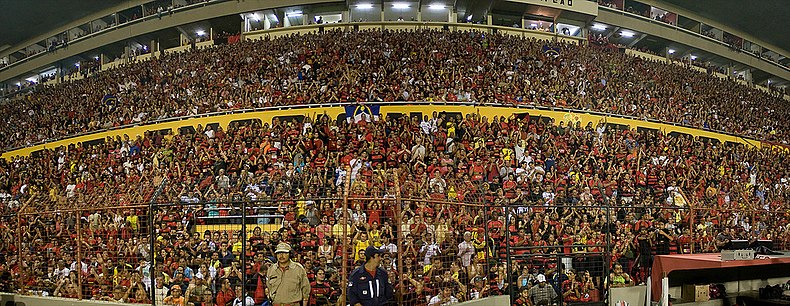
x=248 y=301
x=437 y=299
x=465 y=252
x=390 y=248
x=430 y=250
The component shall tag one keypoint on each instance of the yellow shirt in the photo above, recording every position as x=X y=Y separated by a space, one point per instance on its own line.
x=361 y=245
x=337 y=230
x=132 y=219
x=375 y=236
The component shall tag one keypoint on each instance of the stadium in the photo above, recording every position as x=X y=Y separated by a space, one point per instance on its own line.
x=473 y=152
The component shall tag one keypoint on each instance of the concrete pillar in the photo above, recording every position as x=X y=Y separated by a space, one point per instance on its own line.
x=345 y=16
x=489 y=19
x=382 y=14
x=419 y=14
x=266 y=23
x=286 y=22
x=452 y=16
x=306 y=19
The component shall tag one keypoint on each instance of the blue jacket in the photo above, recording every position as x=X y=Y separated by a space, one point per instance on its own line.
x=368 y=290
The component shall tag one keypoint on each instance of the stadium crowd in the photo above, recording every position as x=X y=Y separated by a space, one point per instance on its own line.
x=551 y=179
x=336 y=66
x=470 y=186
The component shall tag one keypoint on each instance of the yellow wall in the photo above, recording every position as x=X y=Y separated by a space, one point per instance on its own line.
x=333 y=112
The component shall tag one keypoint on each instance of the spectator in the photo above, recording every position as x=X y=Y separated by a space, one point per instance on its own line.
x=541 y=294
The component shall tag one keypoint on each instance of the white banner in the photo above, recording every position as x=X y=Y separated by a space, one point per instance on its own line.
x=580 y=6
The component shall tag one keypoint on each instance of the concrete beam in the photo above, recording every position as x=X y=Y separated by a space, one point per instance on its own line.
x=149 y=26
x=641 y=37
x=59 y=30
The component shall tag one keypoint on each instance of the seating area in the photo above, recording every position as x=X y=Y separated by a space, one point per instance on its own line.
x=390 y=66
x=446 y=195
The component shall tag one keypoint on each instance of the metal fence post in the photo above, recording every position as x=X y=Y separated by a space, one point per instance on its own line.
x=243 y=249
x=79 y=253
x=344 y=245
x=509 y=262
x=152 y=239
x=398 y=224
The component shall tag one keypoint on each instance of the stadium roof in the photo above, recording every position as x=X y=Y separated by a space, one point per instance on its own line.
x=764 y=19
x=21 y=20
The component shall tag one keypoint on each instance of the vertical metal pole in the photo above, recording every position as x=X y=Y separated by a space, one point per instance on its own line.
x=398 y=224
x=691 y=228
x=19 y=259
x=560 y=271
x=607 y=258
x=79 y=254
x=509 y=263
x=152 y=251
x=243 y=249
x=487 y=245
x=344 y=245
x=152 y=239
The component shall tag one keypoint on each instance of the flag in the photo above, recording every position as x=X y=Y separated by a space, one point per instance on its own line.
x=551 y=51
x=358 y=112
x=110 y=100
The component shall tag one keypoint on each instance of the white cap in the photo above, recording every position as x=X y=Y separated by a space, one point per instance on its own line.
x=541 y=278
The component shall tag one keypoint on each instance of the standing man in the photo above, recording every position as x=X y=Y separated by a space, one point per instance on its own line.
x=369 y=284
x=287 y=280
x=466 y=250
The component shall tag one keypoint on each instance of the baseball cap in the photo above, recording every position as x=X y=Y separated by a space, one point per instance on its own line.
x=371 y=250
x=541 y=278
x=282 y=248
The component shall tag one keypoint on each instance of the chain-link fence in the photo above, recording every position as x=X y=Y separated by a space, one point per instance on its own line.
x=443 y=239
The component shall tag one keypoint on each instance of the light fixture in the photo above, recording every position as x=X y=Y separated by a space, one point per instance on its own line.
x=18 y=84
x=671 y=51
x=693 y=57
x=77 y=64
x=294 y=14
x=96 y=58
x=33 y=79
x=256 y=17
x=533 y=25
x=200 y=32
x=599 y=27
x=627 y=33
x=400 y=5
x=364 y=6
x=469 y=18
x=436 y=6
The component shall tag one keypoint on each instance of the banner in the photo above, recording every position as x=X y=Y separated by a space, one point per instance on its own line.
x=551 y=51
x=110 y=100
x=580 y=6
x=358 y=112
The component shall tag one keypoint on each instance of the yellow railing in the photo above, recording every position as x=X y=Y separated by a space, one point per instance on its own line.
x=334 y=110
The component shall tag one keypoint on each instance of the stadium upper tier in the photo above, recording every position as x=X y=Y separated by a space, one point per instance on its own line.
x=426 y=65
